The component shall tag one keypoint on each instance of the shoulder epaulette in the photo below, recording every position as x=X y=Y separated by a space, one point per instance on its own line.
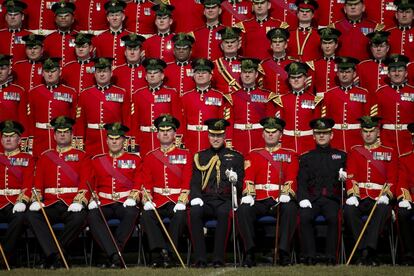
x=229 y=98
x=241 y=26
x=277 y=99
x=311 y=65
x=284 y=25
x=379 y=27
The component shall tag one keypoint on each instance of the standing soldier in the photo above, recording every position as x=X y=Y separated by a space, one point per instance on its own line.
x=166 y=191
x=345 y=104
x=200 y=104
x=179 y=74
x=79 y=73
x=131 y=75
x=215 y=171
x=249 y=107
x=61 y=42
x=319 y=190
x=100 y=104
x=109 y=43
x=402 y=36
x=17 y=169
x=378 y=70
x=59 y=172
x=395 y=104
x=91 y=16
x=370 y=167
x=47 y=101
x=115 y=178
x=161 y=45
x=151 y=101
x=12 y=36
x=325 y=68
x=270 y=178
x=29 y=72
x=139 y=17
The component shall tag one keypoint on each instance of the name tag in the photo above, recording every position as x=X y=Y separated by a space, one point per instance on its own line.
x=308 y=104
x=177 y=159
x=282 y=157
x=255 y=98
x=382 y=156
x=72 y=158
x=21 y=162
x=11 y=96
x=358 y=98
x=336 y=156
x=213 y=101
x=407 y=97
x=64 y=97
x=114 y=97
x=126 y=164
x=163 y=98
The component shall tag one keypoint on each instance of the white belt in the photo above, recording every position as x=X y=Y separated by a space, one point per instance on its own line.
x=347 y=126
x=10 y=192
x=370 y=186
x=297 y=132
x=42 y=32
x=43 y=125
x=247 y=126
x=96 y=126
x=167 y=191
x=267 y=187
x=148 y=128
x=114 y=196
x=96 y=32
x=56 y=191
x=395 y=126
x=197 y=127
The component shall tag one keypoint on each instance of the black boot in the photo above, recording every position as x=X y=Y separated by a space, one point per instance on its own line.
x=249 y=259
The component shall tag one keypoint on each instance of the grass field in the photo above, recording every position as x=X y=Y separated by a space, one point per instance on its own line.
x=257 y=271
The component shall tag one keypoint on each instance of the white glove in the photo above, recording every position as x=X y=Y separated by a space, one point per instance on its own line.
x=383 y=200
x=179 y=207
x=129 y=202
x=92 y=205
x=286 y=199
x=75 y=207
x=35 y=206
x=148 y=206
x=402 y=204
x=342 y=175
x=19 y=207
x=353 y=200
x=231 y=175
x=197 y=201
x=305 y=203
x=247 y=200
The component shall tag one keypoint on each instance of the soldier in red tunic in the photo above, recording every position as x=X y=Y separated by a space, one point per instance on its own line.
x=235 y=11
x=188 y=15
x=90 y=16
x=370 y=167
x=329 y=11
x=59 y=172
x=40 y=17
x=139 y=17
x=115 y=178
x=270 y=178
x=382 y=11
x=166 y=182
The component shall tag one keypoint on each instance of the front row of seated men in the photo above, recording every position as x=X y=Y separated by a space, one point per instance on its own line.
x=170 y=181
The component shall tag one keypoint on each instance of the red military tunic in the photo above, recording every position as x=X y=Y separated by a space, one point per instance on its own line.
x=130 y=77
x=79 y=74
x=325 y=74
x=59 y=173
x=40 y=17
x=199 y=106
x=147 y=105
x=46 y=103
x=275 y=78
x=160 y=46
x=395 y=107
x=16 y=181
x=90 y=16
x=166 y=175
x=187 y=15
x=249 y=107
x=28 y=74
x=304 y=44
x=61 y=44
x=372 y=74
x=405 y=186
x=353 y=41
x=226 y=74
x=235 y=11
x=109 y=44
x=96 y=107
x=285 y=11
x=345 y=106
x=262 y=172
x=254 y=41
x=139 y=18
x=329 y=11
x=381 y=11
x=12 y=43
x=365 y=176
x=179 y=75
x=115 y=178
x=207 y=42
x=401 y=41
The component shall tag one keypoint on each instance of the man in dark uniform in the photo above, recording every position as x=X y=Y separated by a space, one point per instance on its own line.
x=321 y=171
x=210 y=190
x=270 y=178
